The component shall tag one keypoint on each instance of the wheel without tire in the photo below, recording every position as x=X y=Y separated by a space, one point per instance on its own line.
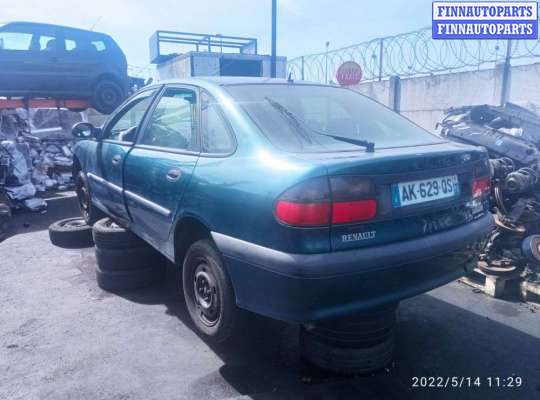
x=208 y=291
x=89 y=212
x=117 y=281
x=128 y=259
x=71 y=233
x=107 y=96
x=109 y=235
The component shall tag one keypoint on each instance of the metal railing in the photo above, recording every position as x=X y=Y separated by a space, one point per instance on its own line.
x=413 y=54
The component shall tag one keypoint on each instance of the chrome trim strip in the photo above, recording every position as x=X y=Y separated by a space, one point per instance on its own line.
x=110 y=185
x=150 y=204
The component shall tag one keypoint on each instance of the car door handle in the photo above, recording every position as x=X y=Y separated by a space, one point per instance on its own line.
x=116 y=159
x=174 y=174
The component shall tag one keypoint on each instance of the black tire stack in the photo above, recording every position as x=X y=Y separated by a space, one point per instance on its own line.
x=124 y=261
x=351 y=345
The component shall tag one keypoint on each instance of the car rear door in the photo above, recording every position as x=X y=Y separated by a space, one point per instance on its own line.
x=106 y=184
x=160 y=166
x=80 y=60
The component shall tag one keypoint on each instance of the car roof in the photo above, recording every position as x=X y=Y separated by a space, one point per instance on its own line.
x=30 y=25
x=234 y=80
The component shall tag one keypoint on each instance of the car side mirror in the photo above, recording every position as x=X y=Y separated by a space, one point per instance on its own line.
x=85 y=130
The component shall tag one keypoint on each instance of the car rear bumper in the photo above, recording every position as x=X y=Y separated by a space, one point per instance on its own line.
x=311 y=287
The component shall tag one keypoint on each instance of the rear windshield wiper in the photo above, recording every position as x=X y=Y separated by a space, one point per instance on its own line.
x=370 y=146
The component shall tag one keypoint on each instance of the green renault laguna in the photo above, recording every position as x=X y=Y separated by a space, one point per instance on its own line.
x=295 y=200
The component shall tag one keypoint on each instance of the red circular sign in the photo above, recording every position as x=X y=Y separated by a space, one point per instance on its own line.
x=349 y=73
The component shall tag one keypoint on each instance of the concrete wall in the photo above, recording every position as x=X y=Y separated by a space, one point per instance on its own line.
x=424 y=99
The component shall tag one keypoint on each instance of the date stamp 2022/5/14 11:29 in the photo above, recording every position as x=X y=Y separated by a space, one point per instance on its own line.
x=457 y=382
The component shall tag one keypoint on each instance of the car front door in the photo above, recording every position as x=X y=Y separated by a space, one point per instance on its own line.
x=29 y=61
x=160 y=166
x=119 y=135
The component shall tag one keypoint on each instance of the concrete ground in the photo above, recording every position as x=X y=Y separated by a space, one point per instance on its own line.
x=61 y=337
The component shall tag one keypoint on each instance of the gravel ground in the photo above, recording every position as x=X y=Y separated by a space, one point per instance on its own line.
x=61 y=337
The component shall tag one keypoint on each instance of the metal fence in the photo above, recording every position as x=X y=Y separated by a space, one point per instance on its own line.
x=413 y=54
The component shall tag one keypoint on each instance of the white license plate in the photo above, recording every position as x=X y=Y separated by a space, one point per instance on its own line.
x=414 y=192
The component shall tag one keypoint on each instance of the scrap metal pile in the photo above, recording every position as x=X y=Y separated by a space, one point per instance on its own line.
x=511 y=134
x=35 y=156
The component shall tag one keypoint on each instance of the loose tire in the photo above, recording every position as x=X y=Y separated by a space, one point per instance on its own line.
x=119 y=281
x=89 y=212
x=343 y=360
x=107 y=96
x=208 y=291
x=128 y=259
x=71 y=233
x=109 y=235
x=351 y=345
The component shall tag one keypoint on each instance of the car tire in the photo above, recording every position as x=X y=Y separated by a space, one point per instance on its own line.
x=89 y=212
x=121 y=281
x=107 y=96
x=208 y=291
x=71 y=233
x=128 y=259
x=110 y=235
x=351 y=345
x=344 y=360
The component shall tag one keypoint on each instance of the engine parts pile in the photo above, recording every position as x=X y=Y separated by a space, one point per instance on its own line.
x=511 y=134
x=30 y=164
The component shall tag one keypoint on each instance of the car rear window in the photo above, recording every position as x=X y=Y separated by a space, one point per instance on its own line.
x=296 y=118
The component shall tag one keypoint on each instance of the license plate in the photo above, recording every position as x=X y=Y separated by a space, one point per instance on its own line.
x=415 y=192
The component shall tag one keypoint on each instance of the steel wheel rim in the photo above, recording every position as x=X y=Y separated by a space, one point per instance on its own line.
x=108 y=95
x=206 y=295
x=75 y=223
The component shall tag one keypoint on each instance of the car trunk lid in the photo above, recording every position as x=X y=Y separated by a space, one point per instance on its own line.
x=401 y=179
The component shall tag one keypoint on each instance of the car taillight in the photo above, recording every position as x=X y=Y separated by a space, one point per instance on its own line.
x=481 y=186
x=303 y=214
x=353 y=211
x=306 y=204
x=323 y=201
x=353 y=199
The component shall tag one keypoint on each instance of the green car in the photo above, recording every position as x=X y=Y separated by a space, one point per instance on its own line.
x=294 y=200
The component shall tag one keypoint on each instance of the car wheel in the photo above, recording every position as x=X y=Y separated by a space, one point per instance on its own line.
x=71 y=233
x=107 y=96
x=110 y=235
x=89 y=212
x=208 y=291
x=119 y=281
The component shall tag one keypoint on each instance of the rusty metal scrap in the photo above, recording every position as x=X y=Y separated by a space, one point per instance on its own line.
x=511 y=134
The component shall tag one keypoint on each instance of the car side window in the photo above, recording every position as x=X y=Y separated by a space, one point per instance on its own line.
x=124 y=125
x=79 y=43
x=47 y=43
x=172 y=124
x=20 y=41
x=215 y=133
x=99 y=45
